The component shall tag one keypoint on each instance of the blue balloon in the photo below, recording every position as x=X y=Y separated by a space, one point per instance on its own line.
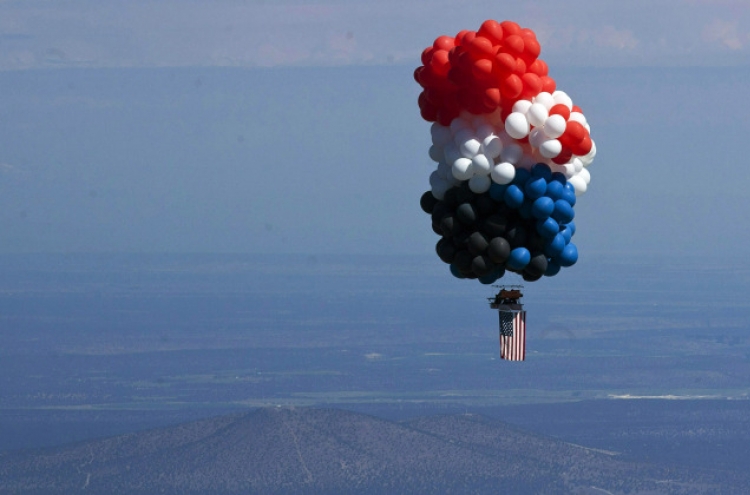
x=563 y=212
x=542 y=170
x=569 y=194
x=567 y=233
x=497 y=191
x=547 y=228
x=522 y=175
x=525 y=211
x=456 y=272
x=553 y=247
x=518 y=259
x=559 y=177
x=543 y=207
x=513 y=196
x=572 y=227
x=552 y=269
x=555 y=190
x=535 y=187
x=490 y=278
x=569 y=256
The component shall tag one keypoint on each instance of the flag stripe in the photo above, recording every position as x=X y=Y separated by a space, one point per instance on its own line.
x=513 y=335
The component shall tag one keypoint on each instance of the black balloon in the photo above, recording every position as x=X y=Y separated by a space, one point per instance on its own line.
x=466 y=214
x=498 y=250
x=450 y=225
x=537 y=266
x=485 y=205
x=427 y=202
x=446 y=250
x=477 y=243
x=481 y=266
x=463 y=260
x=495 y=225
x=516 y=236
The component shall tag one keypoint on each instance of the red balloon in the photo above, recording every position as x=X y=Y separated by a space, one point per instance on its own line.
x=417 y=73
x=440 y=63
x=560 y=109
x=520 y=67
x=426 y=109
x=576 y=108
x=548 y=84
x=446 y=115
x=427 y=55
x=511 y=86
x=584 y=146
x=468 y=38
x=492 y=30
x=492 y=98
x=531 y=48
x=505 y=63
x=574 y=133
x=459 y=39
x=539 y=67
x=482 y=70
x=564 y=157
x=481 y=47
x=510 y=27
x=444 y=43
x=513 y=44
x=532 y=85
x=527 y=33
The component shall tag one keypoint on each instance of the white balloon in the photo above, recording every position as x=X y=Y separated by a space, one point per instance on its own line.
x=569 y=170
x=480 y=183
x=451 y=152
x=459 y=124
x=521 y=106
x=435 y=178
x=516 y=125
x=444 y=169
x=470 y=148
x=503 y=173
x=562 y=98
x=496 y=118
x=463 y=135
x=578 y=117
x=481 y=165
x=587 y=127
x=579 y=184
x=462 y=169
x=537 y=114
x=511 y=153
x=526 y=162
x=554 y=126
x=577 y=164
x=478 y=121
x=505 y=138
x=439 y=189
x=545 y=99
x=484 y=131
x=550 y=148
x=451 y=181
x=441 y=135
x=585 y=175
x=492 y=146
x=436 y=153
x=536 y=137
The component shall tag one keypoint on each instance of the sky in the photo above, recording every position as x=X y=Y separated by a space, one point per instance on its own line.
x=292 y=126
x=251 y=33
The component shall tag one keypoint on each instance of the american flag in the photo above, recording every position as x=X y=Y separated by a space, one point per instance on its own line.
x=513 y=335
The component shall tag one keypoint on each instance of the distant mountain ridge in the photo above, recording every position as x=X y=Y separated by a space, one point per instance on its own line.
x=305 y=451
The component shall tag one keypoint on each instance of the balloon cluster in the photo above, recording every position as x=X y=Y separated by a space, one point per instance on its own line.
x=512 y=154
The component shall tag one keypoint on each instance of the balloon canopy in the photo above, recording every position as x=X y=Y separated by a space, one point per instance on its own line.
x=512 y=154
